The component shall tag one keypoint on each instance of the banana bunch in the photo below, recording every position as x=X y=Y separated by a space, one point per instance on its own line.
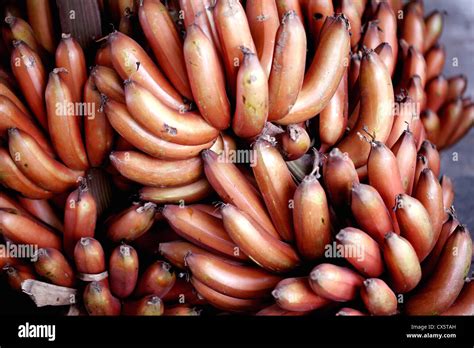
x=316 y=125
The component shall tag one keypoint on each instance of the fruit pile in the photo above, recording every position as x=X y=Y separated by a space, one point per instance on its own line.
x=272 y=157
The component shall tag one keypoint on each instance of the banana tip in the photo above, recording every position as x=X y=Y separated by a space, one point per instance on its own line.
x=85 y=241
x=188 y=254
x=341 y=236
x=56 y=71
x=288 y=15
x=342 y=17
x=125 y=250
x=423 y=159
x=166 y=266
x=154 y=300
x=335 y=153
x=96 y=286
x=208 y=155
x=13 y=131
x=389 y=235
x=315 y=275
x=10 y=20
x=17 y=43
x=368 y=282
x=355 y=186
x=276 y=294
x=148 y=206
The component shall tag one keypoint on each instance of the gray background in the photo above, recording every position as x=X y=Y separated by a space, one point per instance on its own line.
x=458 y=37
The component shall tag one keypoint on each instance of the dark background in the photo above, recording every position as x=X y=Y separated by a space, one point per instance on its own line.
x=458 y=38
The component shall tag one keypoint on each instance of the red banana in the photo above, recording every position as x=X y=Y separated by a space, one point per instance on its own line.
x=202 y=229
x=206 y=78
x=339 y=175
x=370 y=211
x=436 y=92
x=361 y=251
x=334 y=282
x=157 y=280
x=464 y=304
x=234 y=32
x=12 y=117
x=277 y=186
x=42 y=210
x=433 y=28
x=430 y=194
x=263 y=23
x=456 y=87
x=421 y=163
x=141 y=138
x=311 y=217
x=131 y=61
x=69 y=55
x=185 y=194
x=98 y=133
x=24 y=230
x=151 y=171
x=402 y=263
x=378 y=297
x=123 y=269
x=376 y=104
x=150 y=305
x=165 y=41
x=63 y=121
x=41 y=20
x=229 y=279
x=251 y=110
x=287 y=70
x=405 y=152
x=169 y=124
x=435 y=59
x=233 y=187
x=80 y=216
x=444 y=285
x=175 y=252
x=131 y=223
x=413 y=27
x=387 y=18
x=415 y=224
x=98 y=300
x=13 y=178
x=224 y=302
x=447 y=229
x=294 y=143
x=333 y=118
x=263 y=248
x=89 y=256
x=201 y=13
x=108 y=82
x=52 y=265
x=295 y=294
x=448 y=191
x=325 y=73
x=384 y=176
x=30 y=73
